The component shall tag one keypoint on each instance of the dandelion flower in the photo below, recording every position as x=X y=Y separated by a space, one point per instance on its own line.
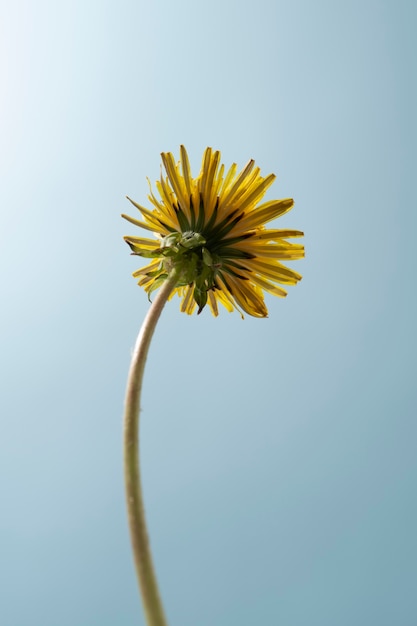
x=211 y=229
x=210 y=245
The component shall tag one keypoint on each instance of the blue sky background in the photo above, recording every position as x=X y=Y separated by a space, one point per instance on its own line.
x=279 y=455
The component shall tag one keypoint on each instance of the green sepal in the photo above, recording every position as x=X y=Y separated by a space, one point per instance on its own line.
x=190 y=240
x=188 y=265
x=207 y=257
x=200 y=296
x=171 y=241
x=156 y=272
x=148 y=254
x=156 y=284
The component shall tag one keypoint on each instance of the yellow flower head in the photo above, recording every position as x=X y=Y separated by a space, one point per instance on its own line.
x=211 y=230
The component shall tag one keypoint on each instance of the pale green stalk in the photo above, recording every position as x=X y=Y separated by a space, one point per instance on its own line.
x=148 y=585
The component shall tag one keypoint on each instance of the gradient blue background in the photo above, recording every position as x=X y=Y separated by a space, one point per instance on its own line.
x=279 y=455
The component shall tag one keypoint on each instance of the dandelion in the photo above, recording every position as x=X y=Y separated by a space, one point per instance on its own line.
x=210 y=246
x=211 y=229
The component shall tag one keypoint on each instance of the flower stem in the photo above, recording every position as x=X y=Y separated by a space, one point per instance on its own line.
x=148 y=585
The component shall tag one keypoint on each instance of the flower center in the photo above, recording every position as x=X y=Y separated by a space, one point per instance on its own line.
x=197 y=265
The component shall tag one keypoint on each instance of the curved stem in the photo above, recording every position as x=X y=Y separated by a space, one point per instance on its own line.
x=148 y=585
